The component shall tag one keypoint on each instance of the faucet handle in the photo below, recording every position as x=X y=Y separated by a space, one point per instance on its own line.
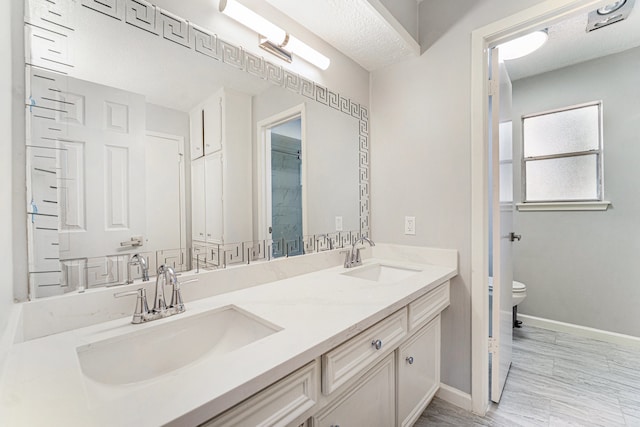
x=141 y=303
x=176 y=296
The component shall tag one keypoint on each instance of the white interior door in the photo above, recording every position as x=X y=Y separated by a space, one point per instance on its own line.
x=502 y=224
x=165 y=192
x=103 y=142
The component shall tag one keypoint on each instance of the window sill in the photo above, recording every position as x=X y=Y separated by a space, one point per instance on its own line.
x=563 y=206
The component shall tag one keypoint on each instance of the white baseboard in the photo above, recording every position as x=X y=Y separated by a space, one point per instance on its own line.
x=454 y=396
x=583 y=331
x=8 y=336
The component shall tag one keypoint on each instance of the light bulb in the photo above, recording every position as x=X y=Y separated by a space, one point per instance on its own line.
x=307 y=53
x=252 y=20
x=522 y=46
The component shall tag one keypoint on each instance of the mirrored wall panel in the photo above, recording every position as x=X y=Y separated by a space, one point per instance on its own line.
x=149 y=135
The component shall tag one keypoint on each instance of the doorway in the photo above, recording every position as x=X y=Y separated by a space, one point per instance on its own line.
x=543 y=15
x=286 y=188
x=282 y=177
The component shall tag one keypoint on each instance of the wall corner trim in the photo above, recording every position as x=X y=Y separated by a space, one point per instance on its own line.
x=454 y=396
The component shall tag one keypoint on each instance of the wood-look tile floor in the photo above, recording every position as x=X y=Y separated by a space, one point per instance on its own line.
x=557 y=379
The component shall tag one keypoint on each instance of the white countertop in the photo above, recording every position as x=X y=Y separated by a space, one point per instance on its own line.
x=42 y=383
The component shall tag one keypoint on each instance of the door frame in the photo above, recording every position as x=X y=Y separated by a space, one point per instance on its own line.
x=263 y=166
x=539 y=16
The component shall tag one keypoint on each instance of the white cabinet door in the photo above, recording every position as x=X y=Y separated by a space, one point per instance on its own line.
x=198 y=195
x=196 y=131
x=371 y=402
x=214 y=222
x=212 y=129
x=418 y=372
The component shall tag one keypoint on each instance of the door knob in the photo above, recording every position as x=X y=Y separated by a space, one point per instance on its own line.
x=513 y=236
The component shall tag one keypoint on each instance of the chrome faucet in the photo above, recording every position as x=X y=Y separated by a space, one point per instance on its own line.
x=353 y=257
x=140 y=260
x=166 y=275
x=159 y=302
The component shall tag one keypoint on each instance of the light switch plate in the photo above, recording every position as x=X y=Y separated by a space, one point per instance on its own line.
x=410 y=225
x=338 y=223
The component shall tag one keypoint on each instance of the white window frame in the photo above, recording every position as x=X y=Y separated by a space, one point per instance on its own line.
x=597 y=203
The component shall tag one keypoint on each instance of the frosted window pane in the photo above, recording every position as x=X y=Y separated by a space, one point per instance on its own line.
x=567 y=178
x=506 y=141
x=506 y=182
x=563 y=132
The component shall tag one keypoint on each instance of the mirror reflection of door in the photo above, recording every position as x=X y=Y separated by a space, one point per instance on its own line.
x=286 y=188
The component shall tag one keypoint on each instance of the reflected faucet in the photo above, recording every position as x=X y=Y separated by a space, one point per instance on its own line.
x=140 y=260
x=353 y=257
x=166 y=275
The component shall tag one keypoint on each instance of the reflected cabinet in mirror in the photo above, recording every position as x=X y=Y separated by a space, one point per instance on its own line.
x=149 y=135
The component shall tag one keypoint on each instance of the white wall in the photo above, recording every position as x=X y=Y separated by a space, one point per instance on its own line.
x=406 y=12
x=581 y=267
x=6 y=253
x=166 y=120
x=421 y=151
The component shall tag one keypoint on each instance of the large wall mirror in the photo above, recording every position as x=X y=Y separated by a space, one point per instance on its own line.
x=149 y=135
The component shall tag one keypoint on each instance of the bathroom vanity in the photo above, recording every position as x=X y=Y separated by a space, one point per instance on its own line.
x=321 y=345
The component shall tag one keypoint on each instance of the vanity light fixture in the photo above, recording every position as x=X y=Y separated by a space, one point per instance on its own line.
x=523 y=46
x=273 y=38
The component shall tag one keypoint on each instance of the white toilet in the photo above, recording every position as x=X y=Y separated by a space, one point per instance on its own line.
x=518 y=291
x=518 y=294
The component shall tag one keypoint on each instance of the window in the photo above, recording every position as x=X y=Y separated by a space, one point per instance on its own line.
x=562 y=155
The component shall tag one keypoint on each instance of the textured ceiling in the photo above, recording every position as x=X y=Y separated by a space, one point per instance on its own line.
x=570 y=44
x=361 y=29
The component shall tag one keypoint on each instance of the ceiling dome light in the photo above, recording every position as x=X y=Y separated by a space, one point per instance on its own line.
x=522 y=46
x=610 y=8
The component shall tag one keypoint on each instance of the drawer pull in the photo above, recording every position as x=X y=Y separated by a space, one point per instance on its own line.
x=377 y=344
x=409 y=360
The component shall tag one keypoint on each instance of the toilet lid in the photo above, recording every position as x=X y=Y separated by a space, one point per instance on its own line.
x=519 y=287
x=516 y=286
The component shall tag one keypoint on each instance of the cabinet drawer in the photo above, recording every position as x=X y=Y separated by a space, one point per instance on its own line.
x=428 y=306
x=354 y=356
x=280 y=404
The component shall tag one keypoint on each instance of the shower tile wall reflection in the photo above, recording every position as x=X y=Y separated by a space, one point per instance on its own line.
x=286 y=193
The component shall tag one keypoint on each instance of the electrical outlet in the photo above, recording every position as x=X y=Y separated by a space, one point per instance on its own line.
x=410 y=225
x=338 y=223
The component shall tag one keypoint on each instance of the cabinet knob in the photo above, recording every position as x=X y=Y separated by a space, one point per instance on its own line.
x=409 y=360
x=377 y=344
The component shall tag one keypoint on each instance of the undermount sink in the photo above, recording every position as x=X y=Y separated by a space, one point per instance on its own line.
x=381 y=273
x=157 y=350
